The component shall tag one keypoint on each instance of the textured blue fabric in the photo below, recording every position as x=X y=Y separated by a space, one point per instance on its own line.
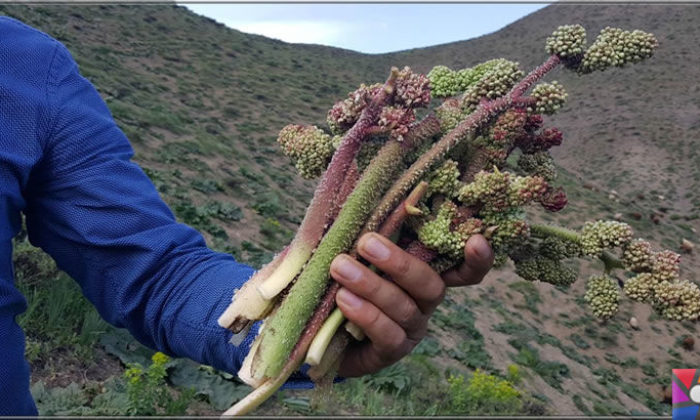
x=66 y=165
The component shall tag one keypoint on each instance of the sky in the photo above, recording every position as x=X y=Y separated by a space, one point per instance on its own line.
x=369 y=28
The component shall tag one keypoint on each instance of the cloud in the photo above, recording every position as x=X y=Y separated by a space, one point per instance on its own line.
x=307 y=32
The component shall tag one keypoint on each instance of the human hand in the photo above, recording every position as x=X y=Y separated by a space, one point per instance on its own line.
x=394 y=315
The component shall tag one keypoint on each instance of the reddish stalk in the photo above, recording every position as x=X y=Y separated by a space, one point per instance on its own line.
x=348 y=185
x=401 y=212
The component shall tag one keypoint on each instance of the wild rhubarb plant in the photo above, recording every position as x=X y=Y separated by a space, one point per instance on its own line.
x=431 y=184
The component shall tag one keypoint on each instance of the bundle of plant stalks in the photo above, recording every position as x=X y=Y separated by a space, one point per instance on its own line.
x=430 y=184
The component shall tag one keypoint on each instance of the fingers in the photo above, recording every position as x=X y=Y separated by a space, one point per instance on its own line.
x=388 y=341
x=478 y=259
x=414 y=276
x=383 y=294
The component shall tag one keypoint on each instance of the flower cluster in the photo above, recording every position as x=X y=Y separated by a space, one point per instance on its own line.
x=538 y=141
x=508 y=128
x=637 y=256
x=559 y=249
x=500 y=191
x=496 y=81
x=509 y=230
x=445 y=82
x=443 y=235
x=396 y=120
x=666 y=265
x=449 y=114
x=549 y=97
x=309 y=148
x=345 y=113
x=412 y=90
x=567 y=41
x=674 y=299
x=487 y=187
x=444 y=180
x=538 y=163
x=603 y=296
x=597 y=236
x=524 y=189
x=554 y=199
x=641 y=287
x=616 y=47
x=548 y=270
x=678 y=300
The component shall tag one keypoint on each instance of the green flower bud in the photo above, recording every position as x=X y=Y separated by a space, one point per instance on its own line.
x=444 y=180
x=510 y=230
x=549 y=97
x=602 y=295
x=491 y=187
x=309 y=148
x=567 y=41
x=603 y=234
x=439 y=234
x=665 y=265
x=615 y=47
x=641 y=287
x=559 y=249
x=678 y=301
x=538 y=163
x=449 y=114
x=443 y=82
x=548 y=270
x=496 y=81
x=637 y=256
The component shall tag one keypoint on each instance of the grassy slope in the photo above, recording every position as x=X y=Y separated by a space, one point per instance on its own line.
x=202 y=104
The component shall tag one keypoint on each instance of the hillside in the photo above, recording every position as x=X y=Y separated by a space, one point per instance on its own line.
x=202 y=105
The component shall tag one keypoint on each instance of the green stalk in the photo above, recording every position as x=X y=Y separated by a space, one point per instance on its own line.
x=284 y=328
x=543 y=231
x=610 y=261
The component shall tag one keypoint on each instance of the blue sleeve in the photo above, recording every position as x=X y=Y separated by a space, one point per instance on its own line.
x=99 y=216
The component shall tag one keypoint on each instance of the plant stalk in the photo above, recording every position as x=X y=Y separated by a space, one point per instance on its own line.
x=320 y=342
x=318 y=213
x=248 y=304
x=543 y=231
x=285 y=326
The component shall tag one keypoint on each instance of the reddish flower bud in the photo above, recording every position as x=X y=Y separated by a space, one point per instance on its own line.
x=554 y=199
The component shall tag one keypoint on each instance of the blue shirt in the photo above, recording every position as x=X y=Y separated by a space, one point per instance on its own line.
x=66 y=165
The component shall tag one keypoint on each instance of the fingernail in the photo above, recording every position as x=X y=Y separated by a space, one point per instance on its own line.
x=376 y=249
x=349 y=299
x=347 y=269
x=481 y=247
